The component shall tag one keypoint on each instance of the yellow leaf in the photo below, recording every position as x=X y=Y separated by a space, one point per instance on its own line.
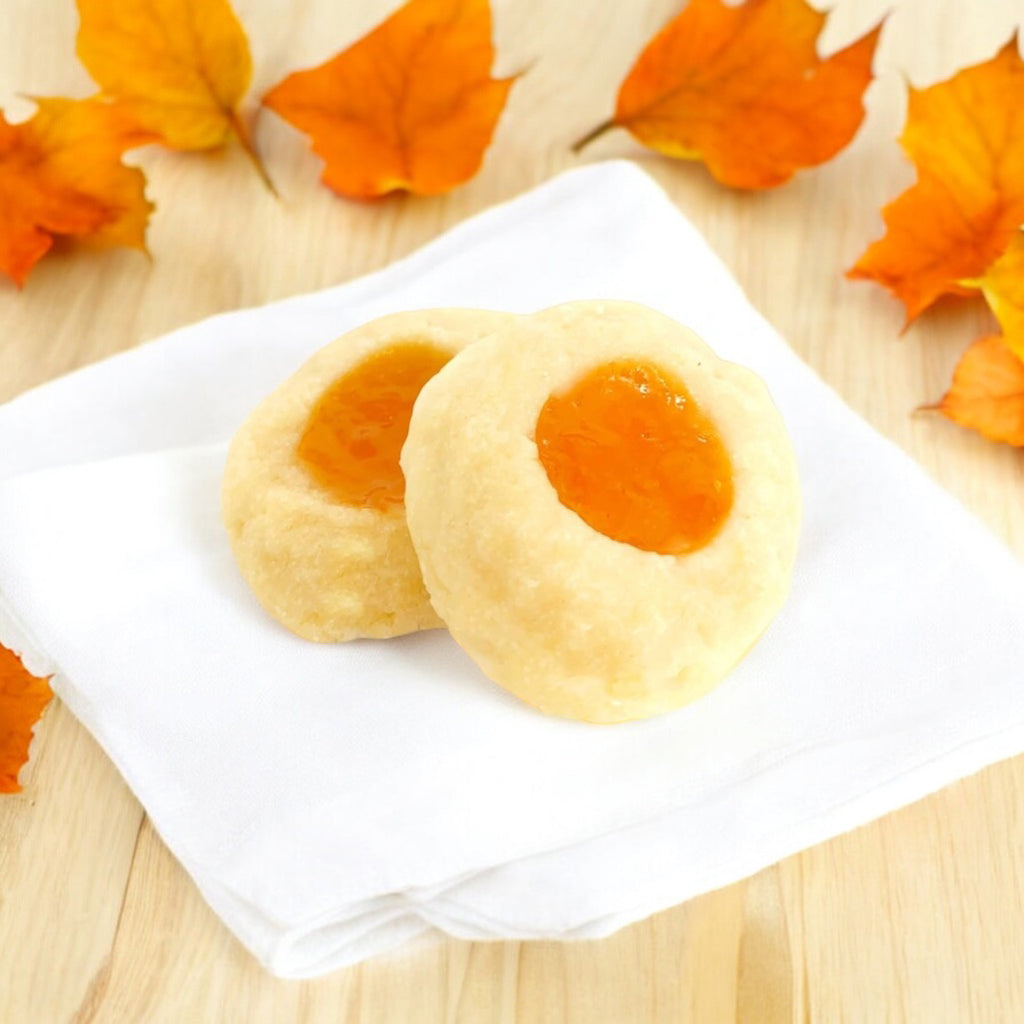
x=180 y=67
x=1003 y=287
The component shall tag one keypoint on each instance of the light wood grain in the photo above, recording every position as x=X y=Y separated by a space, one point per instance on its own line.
x=917 y=917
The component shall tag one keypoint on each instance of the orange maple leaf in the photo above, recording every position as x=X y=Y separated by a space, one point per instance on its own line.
x=966 y=137
x=180 y=67
x=410 y=106
x=987 y=393
x=61 y=175
x=23 y=698
x=741 y=87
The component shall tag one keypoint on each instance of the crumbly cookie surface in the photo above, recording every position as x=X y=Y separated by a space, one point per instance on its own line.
x=568 y=619
x=326 y=569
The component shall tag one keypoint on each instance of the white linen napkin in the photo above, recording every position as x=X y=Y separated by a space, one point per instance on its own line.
x=333 y=801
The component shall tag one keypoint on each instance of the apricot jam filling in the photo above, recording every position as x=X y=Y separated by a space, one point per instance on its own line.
x=633 y=455
x=356 y=430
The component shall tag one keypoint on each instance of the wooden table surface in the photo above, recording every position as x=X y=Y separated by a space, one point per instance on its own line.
x=917 y=917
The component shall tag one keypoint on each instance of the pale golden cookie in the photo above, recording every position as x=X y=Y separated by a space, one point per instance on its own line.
x=676 y=450
x=312 y=496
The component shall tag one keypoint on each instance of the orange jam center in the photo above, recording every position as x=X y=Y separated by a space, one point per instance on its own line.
x=357 y=428
x=629 y=451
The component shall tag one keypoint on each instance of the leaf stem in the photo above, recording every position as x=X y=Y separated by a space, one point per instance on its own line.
x=245 y=139
x=594 y=134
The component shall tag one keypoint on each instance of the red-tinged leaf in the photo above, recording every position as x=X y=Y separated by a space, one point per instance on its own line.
x=966 y=137
x=742 y=88
x=61 y=175
x=411 y=106
x=23 y=698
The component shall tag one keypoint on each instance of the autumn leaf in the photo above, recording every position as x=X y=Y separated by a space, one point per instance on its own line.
x=987 y=393
x=180 y=67
x=1002 y=284
x=741 y=87
x=61 y=175
x=23 y=698
x=410 y=106
x=966 y=137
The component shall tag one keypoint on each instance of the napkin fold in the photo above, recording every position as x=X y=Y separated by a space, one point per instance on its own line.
x=331 y=802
